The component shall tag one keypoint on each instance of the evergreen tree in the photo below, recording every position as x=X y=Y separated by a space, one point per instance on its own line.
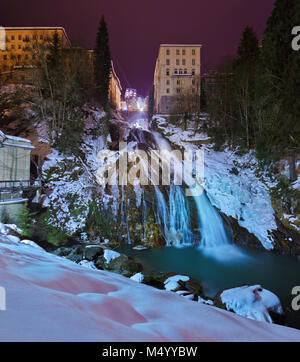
x=280 y=80
x=54 y=57
x=102 y=63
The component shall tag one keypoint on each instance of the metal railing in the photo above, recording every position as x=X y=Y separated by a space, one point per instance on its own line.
x=20 y=184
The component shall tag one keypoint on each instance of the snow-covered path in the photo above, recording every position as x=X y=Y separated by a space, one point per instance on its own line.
x=49 y=298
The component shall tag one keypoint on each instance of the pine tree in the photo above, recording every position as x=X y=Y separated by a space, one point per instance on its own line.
x=54 y=57
x=280 y=78
x=102 y=63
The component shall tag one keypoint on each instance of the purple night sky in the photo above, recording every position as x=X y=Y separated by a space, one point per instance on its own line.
x=138 y=27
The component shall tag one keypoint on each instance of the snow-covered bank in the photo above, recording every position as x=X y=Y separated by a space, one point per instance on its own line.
x=231 y=183
x=49 y=298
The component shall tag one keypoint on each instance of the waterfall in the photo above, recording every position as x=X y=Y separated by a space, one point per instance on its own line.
x=174 y=216
x=213 y=233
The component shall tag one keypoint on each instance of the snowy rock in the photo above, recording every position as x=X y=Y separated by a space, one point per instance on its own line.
x=31 y=243
x=110 y=255
x=87 y=264
x=139 y=277
x=252 y=302
x=172 y=282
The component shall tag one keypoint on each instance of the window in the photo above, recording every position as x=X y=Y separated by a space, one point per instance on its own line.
x=183 y=61
x=193 y=52
x=168 y=82
x=20 y=37
x=168 y=90
x=168 y=61
x=5 y=57
x=180 y=71
x=177 y=62
x=34 y=37
x=168 y=51
x=41 y=37
x=175 y=71
x=33 y=57
x=26 y=56
x=193 y=62
x=20 y=46
x=185 y=71
x=12 y=46
x=193 y=81
x=177 y=90
x=193 y=72
x=178 y=81
x=12 y=37
x=19 y=57
x=177 y=52
x=183 y=51
x=168 y=72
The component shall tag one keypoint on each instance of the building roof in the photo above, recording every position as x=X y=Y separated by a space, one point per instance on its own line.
x=7 y=140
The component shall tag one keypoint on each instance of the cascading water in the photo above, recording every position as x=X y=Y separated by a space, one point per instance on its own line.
x=172 y=211
x=174 y=217
x=213 y=233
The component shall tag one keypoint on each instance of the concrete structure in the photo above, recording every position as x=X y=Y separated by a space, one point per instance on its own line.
x=19 y=51
x=115 y=89
x=177 y=69
x=14 y=175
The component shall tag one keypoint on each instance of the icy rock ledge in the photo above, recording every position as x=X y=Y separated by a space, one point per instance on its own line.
x=252 y=302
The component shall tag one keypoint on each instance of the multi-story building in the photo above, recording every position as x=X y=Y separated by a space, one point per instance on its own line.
x=19 y=46
x=177 y=69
